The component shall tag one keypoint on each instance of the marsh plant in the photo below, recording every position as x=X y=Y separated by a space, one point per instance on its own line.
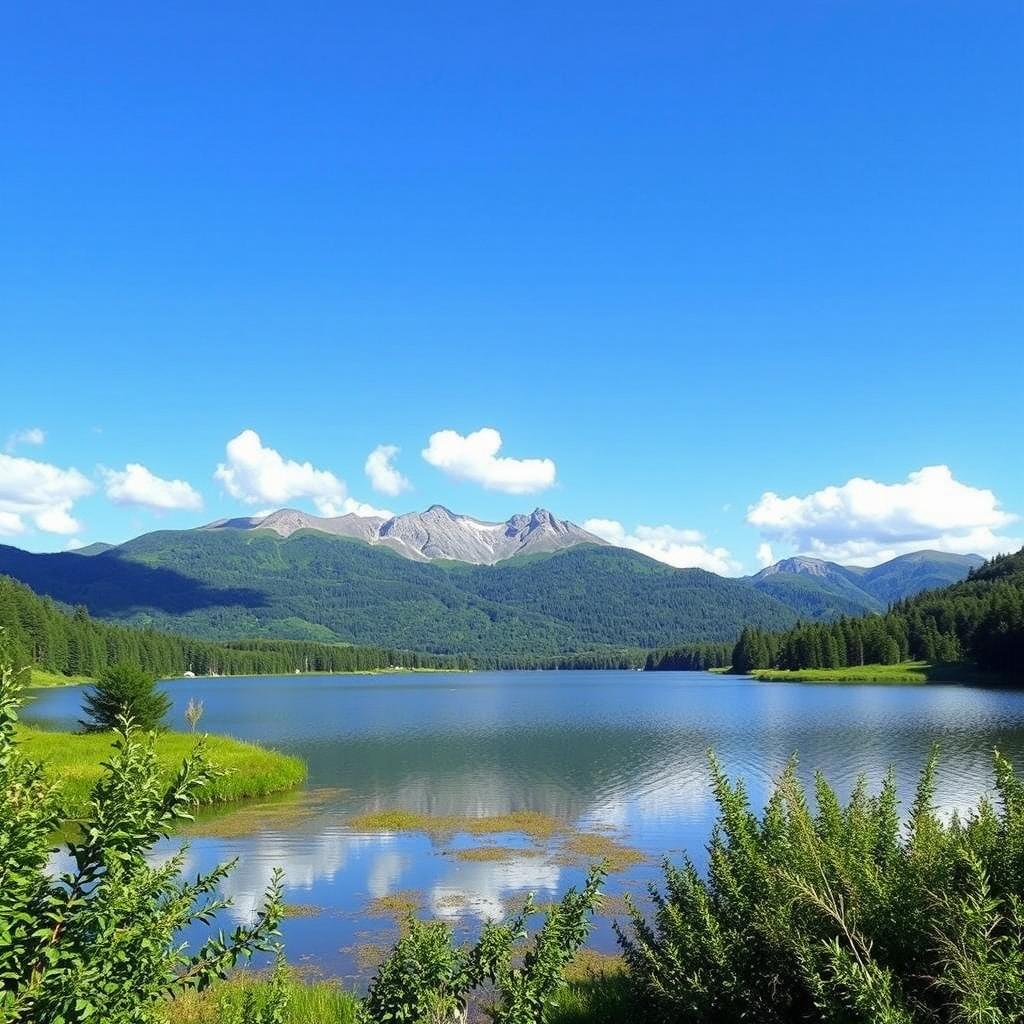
x=841 y=913
x=193 y=712
x=101 y=941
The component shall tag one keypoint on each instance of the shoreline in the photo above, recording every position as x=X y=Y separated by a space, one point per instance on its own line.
x=40 y=679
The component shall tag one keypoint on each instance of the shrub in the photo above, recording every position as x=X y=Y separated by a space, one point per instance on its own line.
x=101 y=943
x=427 y=979
x=125 y=691
x=841 y=914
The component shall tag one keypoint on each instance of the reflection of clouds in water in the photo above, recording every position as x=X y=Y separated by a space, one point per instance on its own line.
x=475 y=793
x=482 y=888
x=385 y=872
x=305 y=859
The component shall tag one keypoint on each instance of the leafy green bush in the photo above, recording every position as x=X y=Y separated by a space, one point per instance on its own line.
x=840 y=913
x=427 y=979
x=101 y=942
x=125 y=691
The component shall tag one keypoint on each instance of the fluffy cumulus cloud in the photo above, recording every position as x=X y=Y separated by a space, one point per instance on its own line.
x=38 y=493
x=30 y=435
x=259 y=475
x=475 y=457
x=684 y=549
x=765 y=555
x=381 y=471
x=136 y=485
x=865 y=522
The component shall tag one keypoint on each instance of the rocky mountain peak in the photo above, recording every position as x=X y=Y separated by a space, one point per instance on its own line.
x=436 y=533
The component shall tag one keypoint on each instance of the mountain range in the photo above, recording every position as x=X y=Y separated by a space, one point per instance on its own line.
x=818 y=589
x=533 y=586
x=437 y=534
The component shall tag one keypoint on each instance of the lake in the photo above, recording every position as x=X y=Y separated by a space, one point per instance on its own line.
x=622 y=754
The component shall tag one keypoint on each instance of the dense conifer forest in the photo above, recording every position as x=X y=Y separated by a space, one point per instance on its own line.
x=980 y=620
x=69 y=642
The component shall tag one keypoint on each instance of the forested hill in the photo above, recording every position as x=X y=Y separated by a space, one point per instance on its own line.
x=979 y=620
x=38 y=632
x=309 y=586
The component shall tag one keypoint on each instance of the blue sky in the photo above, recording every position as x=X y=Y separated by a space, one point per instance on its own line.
x=681 y=256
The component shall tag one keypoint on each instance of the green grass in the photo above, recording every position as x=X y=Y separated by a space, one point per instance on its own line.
x=906 y=672
x=41 y=678
x=74 y=759
x=598 y=995
x=309 y=1002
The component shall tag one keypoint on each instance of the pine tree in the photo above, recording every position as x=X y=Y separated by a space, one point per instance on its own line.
x=125 y=691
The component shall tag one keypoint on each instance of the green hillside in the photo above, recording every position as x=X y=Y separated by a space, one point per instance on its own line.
x=979 y=620
x=235 y=584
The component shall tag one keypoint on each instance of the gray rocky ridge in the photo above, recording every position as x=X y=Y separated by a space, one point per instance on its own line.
x=432 y=535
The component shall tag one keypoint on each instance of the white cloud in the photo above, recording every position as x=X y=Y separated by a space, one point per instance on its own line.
x=41 y=492
x=765 y=555
x=30 y=435
x=351 y=507
x=684 y=549
x=383 y=475
x=259 y=475
x=865 y=522
x=475 y=457
x=74 y=544
x=136 y=485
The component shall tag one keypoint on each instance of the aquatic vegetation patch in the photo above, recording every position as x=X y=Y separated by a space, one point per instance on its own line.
x=588 y=846
x=529 y=823
x=493 y=853
x=302 y=910
x=281 y=813
x=370 y=955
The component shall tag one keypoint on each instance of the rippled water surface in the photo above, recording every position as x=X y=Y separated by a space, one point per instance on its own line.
x=620 y=752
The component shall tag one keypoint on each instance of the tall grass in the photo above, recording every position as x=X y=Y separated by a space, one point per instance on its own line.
x=310 y=1002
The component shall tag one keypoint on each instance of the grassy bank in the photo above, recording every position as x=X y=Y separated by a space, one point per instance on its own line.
x=593 y=998
x=906 y=672
x=41 y=678
x=74 y=759
x=903 y=673
x=313 y=1002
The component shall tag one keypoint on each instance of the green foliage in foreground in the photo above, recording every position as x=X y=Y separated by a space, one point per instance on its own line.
x=428 y=979
x=100 y=943
x=125 y=691
x=74 y=762
x=839 y=914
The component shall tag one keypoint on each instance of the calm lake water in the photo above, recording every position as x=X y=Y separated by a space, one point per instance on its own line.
x=623 y=753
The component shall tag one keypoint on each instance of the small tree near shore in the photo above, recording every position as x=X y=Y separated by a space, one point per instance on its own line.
x=125 y=691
